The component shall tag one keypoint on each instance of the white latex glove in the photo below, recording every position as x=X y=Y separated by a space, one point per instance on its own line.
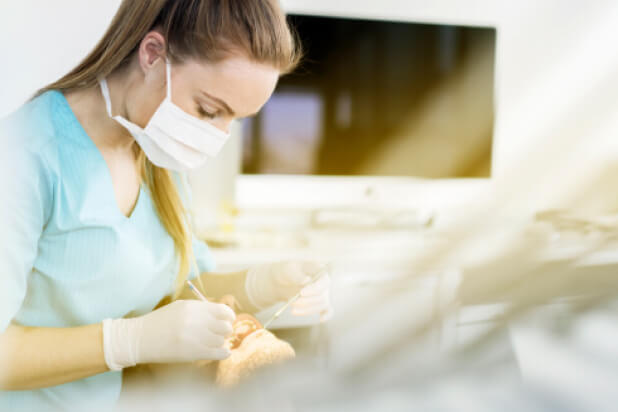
x=183 y=331
x=270 y=283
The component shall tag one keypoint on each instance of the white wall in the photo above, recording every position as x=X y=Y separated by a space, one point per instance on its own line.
x=42 y=40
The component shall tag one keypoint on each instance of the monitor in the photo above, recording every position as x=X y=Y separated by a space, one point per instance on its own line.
x=394 y=105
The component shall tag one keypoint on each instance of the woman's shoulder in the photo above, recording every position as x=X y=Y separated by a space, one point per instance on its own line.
x=28 y=143
x=32 y=130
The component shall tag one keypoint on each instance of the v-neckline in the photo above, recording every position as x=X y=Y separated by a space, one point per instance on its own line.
x=108 y=172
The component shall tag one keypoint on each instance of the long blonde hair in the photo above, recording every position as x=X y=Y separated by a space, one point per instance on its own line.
x=205 y=29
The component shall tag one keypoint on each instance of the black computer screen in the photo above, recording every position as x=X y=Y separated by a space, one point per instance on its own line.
x=379 y=98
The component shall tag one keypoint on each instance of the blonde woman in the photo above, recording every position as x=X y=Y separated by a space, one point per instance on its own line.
x=94 y=232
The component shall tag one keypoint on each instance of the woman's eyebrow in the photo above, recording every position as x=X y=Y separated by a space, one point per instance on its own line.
x=221 y=102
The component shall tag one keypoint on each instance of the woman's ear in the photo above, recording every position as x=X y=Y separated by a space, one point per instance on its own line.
x=152 y=48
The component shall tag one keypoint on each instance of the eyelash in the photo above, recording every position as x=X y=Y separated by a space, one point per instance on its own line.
x=204 y=113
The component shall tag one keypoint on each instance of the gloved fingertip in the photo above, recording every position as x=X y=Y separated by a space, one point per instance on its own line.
x=298 y=312
x=309 y=292
x=326 y=316
x=316 y=288
x=311 y=266
x=227 y=313
x=302 y=304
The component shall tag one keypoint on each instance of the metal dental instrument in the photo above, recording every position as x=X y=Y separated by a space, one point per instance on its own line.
x=293 y=299
x=195 y=291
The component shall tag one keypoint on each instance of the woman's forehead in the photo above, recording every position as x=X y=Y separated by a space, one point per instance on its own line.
x=242 y=84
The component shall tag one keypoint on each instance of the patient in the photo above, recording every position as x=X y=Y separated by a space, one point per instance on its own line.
x=252 y=347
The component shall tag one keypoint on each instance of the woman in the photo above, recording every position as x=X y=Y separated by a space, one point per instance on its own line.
x=94 y=233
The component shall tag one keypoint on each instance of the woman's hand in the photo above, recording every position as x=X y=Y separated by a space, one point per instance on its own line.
x=183 y=331
x=276 y=282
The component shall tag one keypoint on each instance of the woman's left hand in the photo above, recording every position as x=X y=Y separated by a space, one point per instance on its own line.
x=268 y=284
x=315 y=298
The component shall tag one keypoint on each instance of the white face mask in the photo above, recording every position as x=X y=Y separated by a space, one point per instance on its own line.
x=173 y=139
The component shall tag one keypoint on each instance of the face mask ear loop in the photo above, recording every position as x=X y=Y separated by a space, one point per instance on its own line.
x=106 y=97
x=168 y=74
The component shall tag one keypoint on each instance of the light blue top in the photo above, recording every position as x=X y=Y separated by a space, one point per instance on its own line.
x=68 y=255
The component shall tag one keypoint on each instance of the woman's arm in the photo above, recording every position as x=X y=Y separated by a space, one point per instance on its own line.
x=216 y=285
x=184 y=331
x=32 y=358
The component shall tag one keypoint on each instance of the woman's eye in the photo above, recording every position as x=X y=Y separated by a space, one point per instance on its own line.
x=204 y=113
